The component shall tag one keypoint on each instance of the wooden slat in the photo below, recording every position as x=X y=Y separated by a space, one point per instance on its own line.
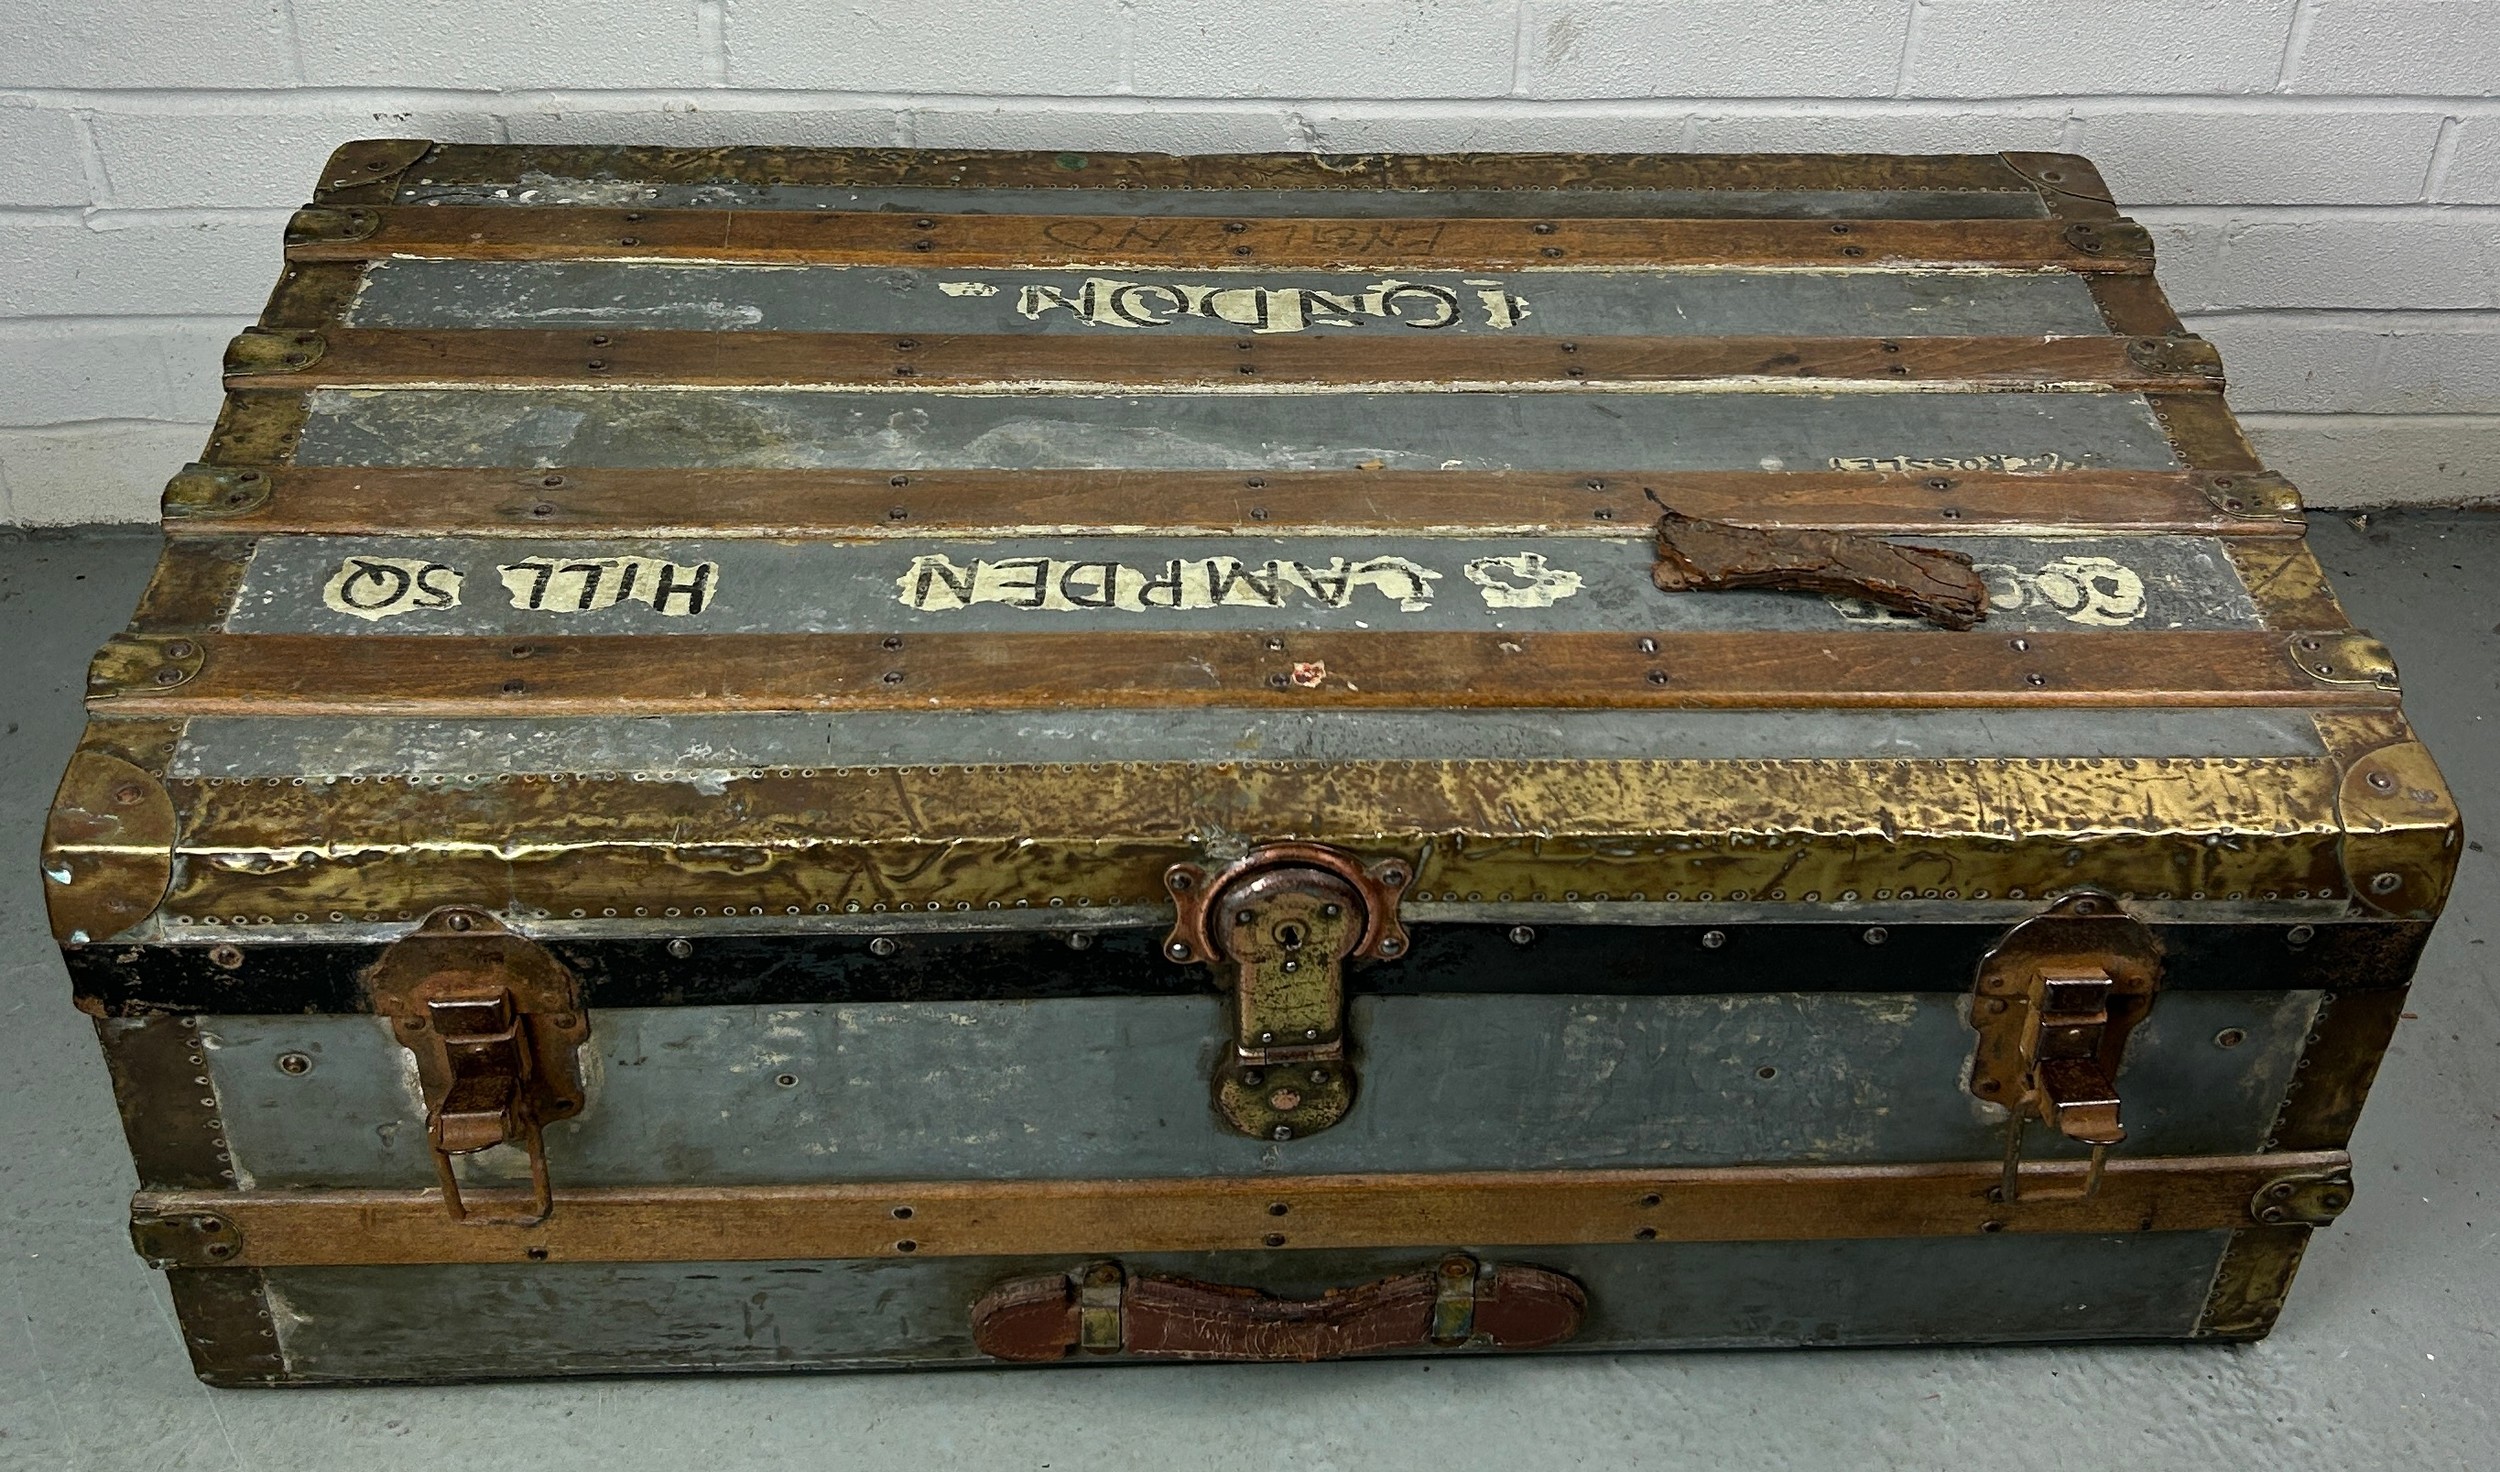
x=580 y=502
x=422 y=164
x=540 y=358
x=402 y=674
x=1050 y=1218
x=793 y=237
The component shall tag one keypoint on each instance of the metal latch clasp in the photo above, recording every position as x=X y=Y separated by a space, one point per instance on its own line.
x=496 y=1024
x=1285 y=920
x=2055 y=1002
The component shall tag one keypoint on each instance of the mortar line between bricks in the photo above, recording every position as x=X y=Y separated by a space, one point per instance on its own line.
x=314 y=100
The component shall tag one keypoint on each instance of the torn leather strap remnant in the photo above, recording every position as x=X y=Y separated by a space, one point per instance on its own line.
x=1102 y=1310
x=1696 y=556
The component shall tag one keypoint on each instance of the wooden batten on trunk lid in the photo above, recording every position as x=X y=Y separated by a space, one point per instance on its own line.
x=1029 y=757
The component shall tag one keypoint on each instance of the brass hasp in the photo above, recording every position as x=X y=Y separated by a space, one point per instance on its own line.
x=1284 y=921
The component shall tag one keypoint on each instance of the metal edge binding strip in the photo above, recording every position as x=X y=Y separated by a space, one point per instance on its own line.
x=595 y=502
x=797 y=237
x=481 y=675
x=369 y=169
x=245 y=1229
x=566 y=358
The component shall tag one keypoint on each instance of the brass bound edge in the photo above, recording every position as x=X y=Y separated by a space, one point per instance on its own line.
x=1096 y=1218
x=2252 y=1281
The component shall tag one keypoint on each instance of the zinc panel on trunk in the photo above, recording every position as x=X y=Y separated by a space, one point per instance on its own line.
x=796 y=759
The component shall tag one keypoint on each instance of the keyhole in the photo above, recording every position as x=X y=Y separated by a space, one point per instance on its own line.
x=1290 y=935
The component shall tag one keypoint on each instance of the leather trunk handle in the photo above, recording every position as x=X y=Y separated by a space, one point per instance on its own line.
x=1102 y=1309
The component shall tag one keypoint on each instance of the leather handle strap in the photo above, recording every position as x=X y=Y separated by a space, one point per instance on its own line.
x=1101 y=1309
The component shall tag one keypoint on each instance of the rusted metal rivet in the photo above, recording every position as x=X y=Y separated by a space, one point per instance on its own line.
x=1258 y=513
x=515 y=687
x=1251 y=1078
x=1840 y=229
x=906 y=344
x=181 y=649
x=1281 y=1132
x=2386 y=883
x=1852 y=250
x=295 y=1064
x=1652 y=1199
x=882 y=945
x=1277 y=1208
x=2035 y=678
x=902 y=1213
x=1278 y=680
x=1246 y=367
x=1241 y=250
x=1551 y=250
x=1657 y=677
x=1234 y=227
x=458 y=921
x=920 y=244
x=1571 y=347
x=893 y=677
x=1992 y=1225
x=128 y=793
x=923 y=224
x=600 y=340
x=890 y=642
x=1542 y=227
x=2382 y=781
x=1939 y=483
x=1766 y=1071
x=1277 y=1239
x=1645 y=1234
x=220 y=1249
x=535 y=1254
x=2230 y=1037
x=1523 y=935
x=1711 y=940
x=786 y=1080
x=597 y=365
x=898 y=513
x=1647 y=645
x=542 y=509
x=1393 y=875
x=907 y=1245
x=1319 y=1076
x=1285 y=1100
x=225 y=957
x=2300 y=935
x=629 y=240
x=1603 y=513
x=680 y=948
x=1392 y=946
x=1177 y=950
x=1080 y=940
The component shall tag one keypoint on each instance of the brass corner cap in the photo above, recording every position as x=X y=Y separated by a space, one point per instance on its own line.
x=214 y=492
x=2402 y=830
x=258 y=352
x=2060 y=173
x=370 y=165
x=108 y=848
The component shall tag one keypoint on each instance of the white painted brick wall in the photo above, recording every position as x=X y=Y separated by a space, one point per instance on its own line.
x=2323 y=176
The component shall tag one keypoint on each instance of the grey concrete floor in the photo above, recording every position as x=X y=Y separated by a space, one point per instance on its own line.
x=2388 y=1356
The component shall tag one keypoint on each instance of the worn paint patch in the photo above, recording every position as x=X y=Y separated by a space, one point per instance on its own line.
x=374 y=588
x=1103 y=301
x=556 y=585
x=2040 y=464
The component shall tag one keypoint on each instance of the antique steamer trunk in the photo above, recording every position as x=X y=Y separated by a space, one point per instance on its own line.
x=756 y=760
